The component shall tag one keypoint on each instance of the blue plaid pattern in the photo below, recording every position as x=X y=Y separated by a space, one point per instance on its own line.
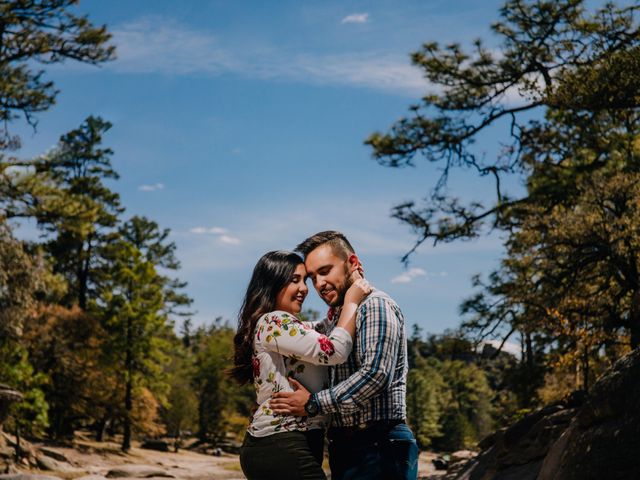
x=371 y=384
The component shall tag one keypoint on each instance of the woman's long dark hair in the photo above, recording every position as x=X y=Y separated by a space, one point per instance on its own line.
x=270 y=275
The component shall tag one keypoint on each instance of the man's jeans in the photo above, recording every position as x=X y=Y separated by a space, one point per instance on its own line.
x=373 y=453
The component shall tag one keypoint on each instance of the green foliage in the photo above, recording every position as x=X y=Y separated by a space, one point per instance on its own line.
x=455 y=395
x=20 y=278
x=65 y=345
x=85 y=316
x=131 y=302
x=82 y=223
x=31 y=414
x=569 y=285
x=427 y=398
x=152 y=242
x=458 y=433
x=471 y=397
x=43 y=32
x=222 y=404
x=181 y=412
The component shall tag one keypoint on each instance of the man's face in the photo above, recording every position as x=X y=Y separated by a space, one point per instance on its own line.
x=329 y=273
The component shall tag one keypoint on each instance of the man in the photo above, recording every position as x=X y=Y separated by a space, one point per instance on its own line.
x=369 y=438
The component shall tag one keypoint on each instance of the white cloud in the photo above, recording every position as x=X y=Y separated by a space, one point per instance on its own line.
x=155 y=44
x=356 y=18
x=212 y=230
x=229 y=240
x=151 y=188
x=409 y=275
x=159 y=45
x=412 y=273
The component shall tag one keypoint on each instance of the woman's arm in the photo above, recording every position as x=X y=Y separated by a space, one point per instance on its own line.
x=356 y=293
x=283 y=333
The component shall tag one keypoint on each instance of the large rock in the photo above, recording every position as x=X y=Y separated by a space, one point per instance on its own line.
x=27 y=476
x=583 y=438
x=137 y=471
x=155 y=444
x=517 y=452
x=47 y=463
x=603 y=441
x=61 y=457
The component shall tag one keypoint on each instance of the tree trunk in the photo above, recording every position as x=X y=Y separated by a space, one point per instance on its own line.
x=82 y=280
x=100 y=427
x=634 y=320
x=126 y=438
x=128 y=400
x=585 y=370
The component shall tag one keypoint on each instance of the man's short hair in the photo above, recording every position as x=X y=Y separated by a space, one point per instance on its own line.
x=336 y=240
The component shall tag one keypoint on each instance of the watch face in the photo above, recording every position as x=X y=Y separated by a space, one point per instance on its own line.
x=311 y=408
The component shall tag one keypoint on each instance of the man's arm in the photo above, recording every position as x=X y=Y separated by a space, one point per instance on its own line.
x=377 y=336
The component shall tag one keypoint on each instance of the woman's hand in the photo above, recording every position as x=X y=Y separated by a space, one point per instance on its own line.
x=359 y=289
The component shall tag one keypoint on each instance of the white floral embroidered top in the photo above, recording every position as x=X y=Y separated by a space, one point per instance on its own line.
x=286 y=347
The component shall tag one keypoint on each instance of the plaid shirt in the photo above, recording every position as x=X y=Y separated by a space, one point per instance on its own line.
x=371 y=384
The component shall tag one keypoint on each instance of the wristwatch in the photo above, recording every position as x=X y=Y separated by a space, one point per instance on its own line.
x=311 y=407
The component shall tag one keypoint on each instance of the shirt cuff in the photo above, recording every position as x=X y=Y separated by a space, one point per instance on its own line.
x=326 y=402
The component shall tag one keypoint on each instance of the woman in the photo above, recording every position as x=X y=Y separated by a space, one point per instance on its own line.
x=272 y=345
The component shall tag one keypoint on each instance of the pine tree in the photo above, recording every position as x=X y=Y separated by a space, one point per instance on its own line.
x=131 y=303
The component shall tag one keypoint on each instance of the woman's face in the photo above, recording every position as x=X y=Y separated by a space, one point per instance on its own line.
x=293 y=294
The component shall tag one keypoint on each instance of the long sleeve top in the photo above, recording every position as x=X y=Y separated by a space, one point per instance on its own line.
x=285 y=347
x=371 y=384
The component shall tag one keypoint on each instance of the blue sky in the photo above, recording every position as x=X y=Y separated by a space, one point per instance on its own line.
x=240 y=125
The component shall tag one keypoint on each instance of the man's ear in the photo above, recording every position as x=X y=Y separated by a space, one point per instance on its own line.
x=353 y=262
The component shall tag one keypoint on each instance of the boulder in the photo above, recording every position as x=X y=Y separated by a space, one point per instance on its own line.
x=462 y=456
x=517 y=452
x=137 y=471
x=584 y=437
x=46 y=463
x=27 y=476
x=603 y=441
x=61 y=457
x=153 y=444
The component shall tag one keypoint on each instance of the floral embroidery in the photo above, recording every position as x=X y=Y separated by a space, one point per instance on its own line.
x=326 y=345
x=293 y=369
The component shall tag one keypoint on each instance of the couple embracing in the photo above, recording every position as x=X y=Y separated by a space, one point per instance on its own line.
x=347 y=372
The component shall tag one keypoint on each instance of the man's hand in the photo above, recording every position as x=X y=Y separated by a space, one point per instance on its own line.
x=291 y=403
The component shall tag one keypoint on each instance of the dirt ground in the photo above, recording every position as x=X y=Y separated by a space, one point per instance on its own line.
x=91 y=458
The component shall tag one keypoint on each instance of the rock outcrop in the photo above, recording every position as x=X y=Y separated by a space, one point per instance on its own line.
x=582 y=438
x=137 y=471
x=603 y=441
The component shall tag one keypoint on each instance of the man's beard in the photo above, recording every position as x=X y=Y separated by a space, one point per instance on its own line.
x=343 y=290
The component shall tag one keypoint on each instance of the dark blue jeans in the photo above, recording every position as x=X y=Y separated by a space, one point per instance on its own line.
x=377 y=452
